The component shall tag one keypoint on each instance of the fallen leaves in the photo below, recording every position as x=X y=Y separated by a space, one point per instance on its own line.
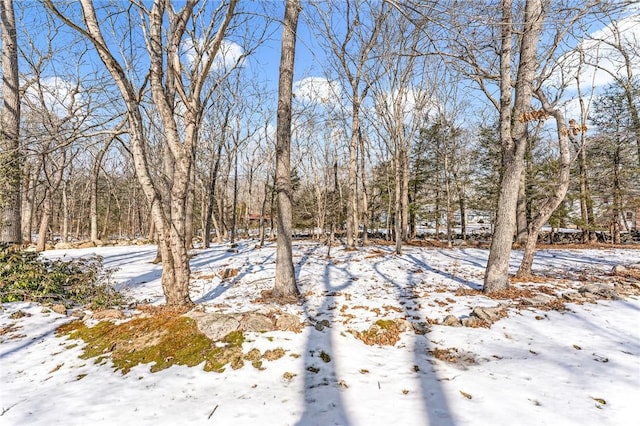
x=382 y=332
x=454 y=356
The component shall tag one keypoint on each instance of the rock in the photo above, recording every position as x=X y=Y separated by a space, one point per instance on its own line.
x=452 y=321
x=216 y=326
x=78 y=313
x=572 y=296
x=420 y=328
x=320 y=325
x=59 y=309
x=538 y=300
x=634 y=266
x=288 y=322
x=254 y=321
x=618 y=269
x=602 y=291
x=403 y=325
x=86 y=244
x=471 y=322
x=490 y=315
x=108 y=314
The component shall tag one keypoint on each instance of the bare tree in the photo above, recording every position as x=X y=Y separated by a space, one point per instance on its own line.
x=401 y=97
x=513 y=135
x=351 y=48
x=10 y=159
x=616 y=51
x=285 y=283
x=177 y=92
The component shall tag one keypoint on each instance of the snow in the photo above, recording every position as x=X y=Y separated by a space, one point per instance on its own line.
x=535 y=367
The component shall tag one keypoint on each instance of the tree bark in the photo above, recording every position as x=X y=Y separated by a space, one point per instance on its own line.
x=285 y=282
x=513 y=135
x=398 y=200
x=552 y=203
x=365 y=198
x=65 y=213
x=47 y=203
x=521 y=215
x=45 y=218
x=10 y=158
x=352 y=183
x=93 y=206
x=28 y=195
x=213 y=178
x=617 y=196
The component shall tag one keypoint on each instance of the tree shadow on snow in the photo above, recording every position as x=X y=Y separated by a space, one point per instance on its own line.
x=423 y=264
x=323 y=402
x=433 y=395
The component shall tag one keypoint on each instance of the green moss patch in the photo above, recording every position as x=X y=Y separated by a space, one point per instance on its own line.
x=162 y=340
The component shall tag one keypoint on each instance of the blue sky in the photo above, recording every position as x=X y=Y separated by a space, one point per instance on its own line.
x=264 y=63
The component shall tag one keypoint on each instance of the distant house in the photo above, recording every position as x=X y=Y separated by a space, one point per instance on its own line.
x=632 y=219
x=256 y=217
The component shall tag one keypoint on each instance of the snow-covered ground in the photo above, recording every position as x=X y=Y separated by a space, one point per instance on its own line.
x=534 y=367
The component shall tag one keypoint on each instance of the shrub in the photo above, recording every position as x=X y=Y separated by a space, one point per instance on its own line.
x=25 y=276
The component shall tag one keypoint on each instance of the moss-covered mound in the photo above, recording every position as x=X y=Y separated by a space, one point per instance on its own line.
x=163 y=339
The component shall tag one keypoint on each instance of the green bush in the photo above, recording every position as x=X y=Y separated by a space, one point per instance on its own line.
x=25 y=276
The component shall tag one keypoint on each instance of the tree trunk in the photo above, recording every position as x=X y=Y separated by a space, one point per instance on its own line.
x=43 y=230
x=352 y=183
x=398 y=198
x=617 y=197
x=521 y=215
x=65 y=214
x=365 y=199
x=463 y=215
x=10 y=158
x=47 y=203
x=285 y=282
x=405 y=190
x=213 y=177
x=513 y=136
x=586 y=202
x=447 y=191
x=234 y=211
x=552 y=203
x=437 y=212
x=93 y=207
x=189 y=210
x=28 y=196
x=263 y=211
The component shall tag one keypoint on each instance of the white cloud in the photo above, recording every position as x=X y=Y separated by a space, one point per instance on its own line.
x=58 y=96
x=414 y=104
x=598 y=53
x=228 y=55
x=318 y=90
